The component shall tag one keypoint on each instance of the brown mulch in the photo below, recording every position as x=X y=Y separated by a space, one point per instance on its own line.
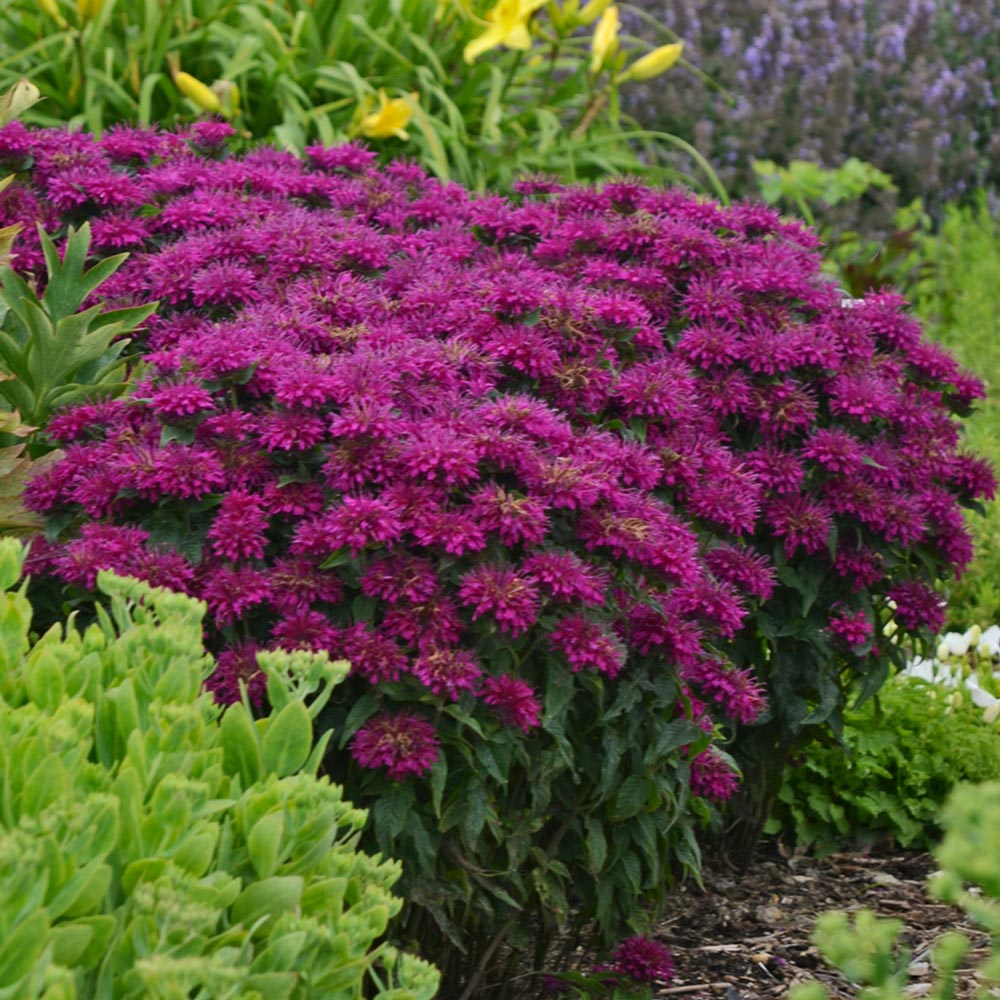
x=745 y=936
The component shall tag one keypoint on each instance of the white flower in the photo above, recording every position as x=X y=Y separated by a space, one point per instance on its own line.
x=989 y=642
x=957 y=643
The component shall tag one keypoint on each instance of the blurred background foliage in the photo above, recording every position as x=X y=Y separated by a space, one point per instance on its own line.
x=301 y=71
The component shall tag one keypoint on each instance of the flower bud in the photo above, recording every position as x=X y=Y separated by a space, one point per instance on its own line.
x=605 y=39
x=194 y=90
x=592 y=11
x=943 y=652
x=654 y=63
x=51 y=7
x=992 y=713
x=89 y=9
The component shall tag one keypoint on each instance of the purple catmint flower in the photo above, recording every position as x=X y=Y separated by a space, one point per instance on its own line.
x=711 y=777
x=565 y=577
x=180 y=400
x=513 y=700
x=588 y=645
x=509 y=597
x=230 y=590
x=401 y=744
x=238 y=529
x=373 y=655
x=736 y=692
x=235 y=665
x=643 y=961
x=801 y=522
x=853 y=628
x=917 y=606
x=447 y=671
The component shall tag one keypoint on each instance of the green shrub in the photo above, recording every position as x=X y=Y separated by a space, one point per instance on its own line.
x=867 y=951
x=961 y=309
x=902 y=755
x=148 y=849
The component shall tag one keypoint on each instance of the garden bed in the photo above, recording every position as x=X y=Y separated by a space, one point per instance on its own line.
x=746 y=935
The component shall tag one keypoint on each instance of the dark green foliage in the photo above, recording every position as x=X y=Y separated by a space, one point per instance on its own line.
x=902 y=756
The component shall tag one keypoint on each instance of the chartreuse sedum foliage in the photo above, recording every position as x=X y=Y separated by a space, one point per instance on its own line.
x=901 y=757
x=479 y=92
x=148 y=849
x=866 y=949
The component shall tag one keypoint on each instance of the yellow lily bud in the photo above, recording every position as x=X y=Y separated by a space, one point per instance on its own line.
x=229 y=97
x=194 y=90
x=943 y=652
x=592 y=11
x=19 y=98
x=88 y=9
x=654 y=63
x=51 y=7
x=391 y=118
x=992 y=713
x=605 y=39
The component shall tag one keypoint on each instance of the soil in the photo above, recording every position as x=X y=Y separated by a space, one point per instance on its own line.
x=745 y=935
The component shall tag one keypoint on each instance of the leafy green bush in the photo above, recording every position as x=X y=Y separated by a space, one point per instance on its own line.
x=902 y=755
x=148 y=849
x=867 y=950
x=961 y=309
x=478 y=95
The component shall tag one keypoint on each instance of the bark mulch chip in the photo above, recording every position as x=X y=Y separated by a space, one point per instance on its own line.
x=745 y=936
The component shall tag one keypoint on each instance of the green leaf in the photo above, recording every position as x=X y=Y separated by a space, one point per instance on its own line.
x=631 y=798
x=268 y=899
x=597 y=845
x=287 y=740
x=264 y=844
x=22 y=947
x=240 y=746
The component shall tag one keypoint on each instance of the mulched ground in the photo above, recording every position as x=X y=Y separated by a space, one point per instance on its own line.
x=746 y=935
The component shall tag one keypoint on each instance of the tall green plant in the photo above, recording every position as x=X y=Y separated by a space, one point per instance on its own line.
x=485 y=93
x=53 y=352
x=960 y=305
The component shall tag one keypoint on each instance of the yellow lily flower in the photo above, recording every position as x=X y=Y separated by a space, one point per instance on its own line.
x=194 y=90
x=89 y=9
x=605 y=39
x=391 y=118
x=507 y=25
x=19 y=98
x=654 y=63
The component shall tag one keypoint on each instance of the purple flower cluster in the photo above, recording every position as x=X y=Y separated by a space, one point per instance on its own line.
x=388 y=419
x=908 y=85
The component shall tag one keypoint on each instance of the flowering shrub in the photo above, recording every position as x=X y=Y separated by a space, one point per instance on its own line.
x=565 y=477
x=909 y=85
